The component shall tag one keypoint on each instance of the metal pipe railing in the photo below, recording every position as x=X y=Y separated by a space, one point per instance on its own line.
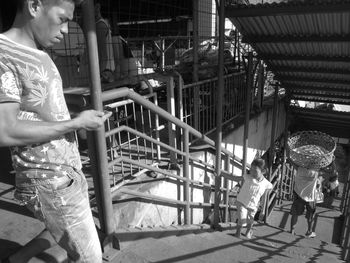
x=102 y=176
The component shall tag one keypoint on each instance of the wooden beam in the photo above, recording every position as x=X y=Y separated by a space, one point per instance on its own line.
x=295 y=39
x=240 y=11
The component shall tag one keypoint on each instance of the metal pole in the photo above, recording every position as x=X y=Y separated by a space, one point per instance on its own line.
x=247 y=111
x=273 y=130
x=219 y=99
x=196 y=100
x=285 y=145
x=272 y=144
x=186 y=174
x=226 y=186
x=99 y=135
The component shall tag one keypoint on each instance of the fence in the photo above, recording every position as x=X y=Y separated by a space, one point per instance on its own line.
x=198 y=105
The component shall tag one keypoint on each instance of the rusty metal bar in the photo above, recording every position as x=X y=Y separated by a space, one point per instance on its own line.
x=247 y=111
x=186 y=175
x=272 y=143
x=195 y=25
x=172 y=111
x=95 y=90
x=219 y=98
x=227 y=192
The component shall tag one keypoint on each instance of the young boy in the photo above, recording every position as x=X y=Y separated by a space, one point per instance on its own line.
x=253 y=188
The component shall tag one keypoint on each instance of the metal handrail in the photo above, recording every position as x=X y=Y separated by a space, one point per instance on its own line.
x=128 y=93
x=125 y=94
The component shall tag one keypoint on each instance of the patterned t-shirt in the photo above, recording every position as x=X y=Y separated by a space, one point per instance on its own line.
x=29 y=77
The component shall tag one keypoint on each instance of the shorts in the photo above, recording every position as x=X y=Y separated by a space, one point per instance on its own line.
x=245 y=215
x=299 y=206
x=62 y=203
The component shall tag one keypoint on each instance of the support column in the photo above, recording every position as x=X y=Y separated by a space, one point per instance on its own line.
x=247 y=111
x=219 y=100
x=103 y=194
x=196 y=100
x=272 y=143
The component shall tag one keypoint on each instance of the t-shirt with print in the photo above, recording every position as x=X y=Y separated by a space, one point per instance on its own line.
x=29 y=77
x=305 y=183
x=251 y=191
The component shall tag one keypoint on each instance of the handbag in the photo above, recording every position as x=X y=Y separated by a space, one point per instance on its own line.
x=319 y=197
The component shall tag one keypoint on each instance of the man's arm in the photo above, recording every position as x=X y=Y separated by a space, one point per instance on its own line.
x=14 y=132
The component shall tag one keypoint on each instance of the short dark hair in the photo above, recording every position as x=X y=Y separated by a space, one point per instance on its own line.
x=258 y=162
x=20 y=3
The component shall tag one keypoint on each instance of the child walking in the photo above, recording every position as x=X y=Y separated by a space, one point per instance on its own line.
x=253 y=188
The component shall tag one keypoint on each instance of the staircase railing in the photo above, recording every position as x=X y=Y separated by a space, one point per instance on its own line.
x=135 y=145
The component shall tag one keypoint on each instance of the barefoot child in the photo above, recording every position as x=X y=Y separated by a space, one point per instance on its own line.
x=253 y=188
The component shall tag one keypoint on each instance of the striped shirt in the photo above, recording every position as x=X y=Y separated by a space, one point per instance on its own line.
x=29 y=77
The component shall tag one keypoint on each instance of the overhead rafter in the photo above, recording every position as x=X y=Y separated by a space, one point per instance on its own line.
x=306 y=79
x=295 y=39
x=267 y=56
x=239 y=11
x=286 y=69
x=322 y=112
x=317 y=89
x=318 y=99
x=334 y=96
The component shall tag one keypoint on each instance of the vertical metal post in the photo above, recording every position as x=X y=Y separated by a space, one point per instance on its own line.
x=273 y=130
x=196 y=100
x=261 y=82
x=226 y=186
x=186 y=174
x=171 y=109
x=247 y=111
x=100 y=141
x=143 y=54
x=162 y=60
x=219 y=114
x=272 y=144
x=285 y=145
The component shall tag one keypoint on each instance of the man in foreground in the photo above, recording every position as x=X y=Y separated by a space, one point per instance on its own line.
x=35 y=123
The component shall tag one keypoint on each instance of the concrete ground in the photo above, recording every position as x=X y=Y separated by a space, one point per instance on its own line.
x=269 y=243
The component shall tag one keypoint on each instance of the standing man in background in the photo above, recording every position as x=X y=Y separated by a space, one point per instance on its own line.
x=35 y=123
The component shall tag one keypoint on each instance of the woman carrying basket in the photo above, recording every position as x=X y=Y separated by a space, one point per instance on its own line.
x=306 y=186
x=308 y=151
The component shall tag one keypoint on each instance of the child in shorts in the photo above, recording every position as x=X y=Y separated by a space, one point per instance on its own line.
x=254 y=186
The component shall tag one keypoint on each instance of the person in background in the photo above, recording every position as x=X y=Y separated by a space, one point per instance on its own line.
x=105 y=46
x=36 y=125
x=306 y=182
x=254 y=187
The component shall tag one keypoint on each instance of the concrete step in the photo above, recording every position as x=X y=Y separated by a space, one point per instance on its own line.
x=269 y=244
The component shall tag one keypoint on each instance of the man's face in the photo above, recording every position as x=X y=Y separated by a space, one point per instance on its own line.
x=51 y=22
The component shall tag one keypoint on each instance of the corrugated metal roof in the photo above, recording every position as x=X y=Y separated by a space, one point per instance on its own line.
x=305 y=44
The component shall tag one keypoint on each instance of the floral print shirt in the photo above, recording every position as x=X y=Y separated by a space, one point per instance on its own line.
x=29 y=77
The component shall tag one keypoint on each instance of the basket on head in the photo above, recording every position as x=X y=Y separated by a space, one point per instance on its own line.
x=311 y=149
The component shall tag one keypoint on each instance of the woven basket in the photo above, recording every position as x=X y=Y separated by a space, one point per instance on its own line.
x=311 y=149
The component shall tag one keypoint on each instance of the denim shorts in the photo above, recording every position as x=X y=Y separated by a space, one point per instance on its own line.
x=63 y=205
